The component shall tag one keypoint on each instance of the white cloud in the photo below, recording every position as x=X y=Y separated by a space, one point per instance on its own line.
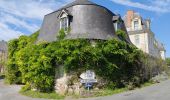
x=6 y=33
x=159 y=6
x=9 y=19
x=161 y=3
x=24 y=14
x=29 y=8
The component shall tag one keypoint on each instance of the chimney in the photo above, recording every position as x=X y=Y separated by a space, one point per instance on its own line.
x=129 y=17
x=148 y=23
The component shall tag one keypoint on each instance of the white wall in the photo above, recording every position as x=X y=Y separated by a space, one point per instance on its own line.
x=143 y=41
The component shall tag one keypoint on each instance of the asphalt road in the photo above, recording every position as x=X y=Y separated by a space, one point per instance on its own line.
x=159 y=91
x=10 y=92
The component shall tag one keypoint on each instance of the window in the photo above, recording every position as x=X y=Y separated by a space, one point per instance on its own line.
x=115 y=25
x=136 y=25
x=64 y=23
x=137 y=40
x=64 y=19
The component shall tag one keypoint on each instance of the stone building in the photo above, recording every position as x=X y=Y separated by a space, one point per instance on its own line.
x=85 y=20
x=3 y=55
x=141 y=35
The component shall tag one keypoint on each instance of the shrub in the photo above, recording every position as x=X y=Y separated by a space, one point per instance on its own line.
x=35 y=64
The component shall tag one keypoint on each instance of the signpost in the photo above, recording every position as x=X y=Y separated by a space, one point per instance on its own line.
x=88 y=78
x=88 y=81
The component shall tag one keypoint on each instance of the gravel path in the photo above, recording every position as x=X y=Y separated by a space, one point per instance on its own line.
x=10 y=92
x=159 y=91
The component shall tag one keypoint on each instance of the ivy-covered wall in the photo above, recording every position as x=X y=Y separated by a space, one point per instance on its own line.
x=35 y=64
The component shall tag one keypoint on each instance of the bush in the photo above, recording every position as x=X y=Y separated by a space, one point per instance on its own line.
x=35 y=64
x=25 y=88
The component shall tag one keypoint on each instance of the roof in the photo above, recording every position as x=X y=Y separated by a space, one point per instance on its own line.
x=64 y=10
x=161 y=46
x=79 y=2
x=117 y=18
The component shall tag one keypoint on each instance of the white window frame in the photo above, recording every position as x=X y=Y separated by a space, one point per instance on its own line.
x=116 y=26
x=136 y=25
x=62 y=16
x=61 y=26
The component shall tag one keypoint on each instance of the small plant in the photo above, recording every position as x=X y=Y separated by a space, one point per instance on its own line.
x=61 y=34
x=25 y=88
x=121 y=34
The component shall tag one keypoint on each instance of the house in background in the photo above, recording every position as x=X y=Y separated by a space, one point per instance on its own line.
x=162 y=50
x=3 y=55
x=141 y=35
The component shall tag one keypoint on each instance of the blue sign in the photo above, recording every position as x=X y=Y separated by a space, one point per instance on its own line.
x=88 y=85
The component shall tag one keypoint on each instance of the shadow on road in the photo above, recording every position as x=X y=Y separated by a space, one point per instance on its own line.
x=2 y=77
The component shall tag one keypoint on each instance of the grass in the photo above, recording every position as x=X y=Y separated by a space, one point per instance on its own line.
x=98 y=93
x=149 y=83
x=107 y=92
x=35 y=94
x=84 y=94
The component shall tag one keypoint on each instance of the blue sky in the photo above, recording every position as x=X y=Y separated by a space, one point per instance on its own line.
x=23 y=17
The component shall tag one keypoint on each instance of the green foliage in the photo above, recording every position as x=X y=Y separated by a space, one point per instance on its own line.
x=168 y=61
x=121 y=34
x=35 y=64
x=25 y=88
x=61 y=34
x=12 y=72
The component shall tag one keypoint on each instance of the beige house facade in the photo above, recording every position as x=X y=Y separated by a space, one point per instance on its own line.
x=141 y=35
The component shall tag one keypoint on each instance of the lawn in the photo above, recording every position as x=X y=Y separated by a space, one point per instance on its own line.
x=83 y=94
x=35 y=94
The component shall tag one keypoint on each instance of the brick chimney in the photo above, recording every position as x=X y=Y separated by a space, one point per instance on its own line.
x=129 y=17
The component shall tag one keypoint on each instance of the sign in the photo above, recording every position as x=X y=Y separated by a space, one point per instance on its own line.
x=88 y=85
x=88 y=81
x=88 y=75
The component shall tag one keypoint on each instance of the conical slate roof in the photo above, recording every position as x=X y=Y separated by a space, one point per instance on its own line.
x=80 y=2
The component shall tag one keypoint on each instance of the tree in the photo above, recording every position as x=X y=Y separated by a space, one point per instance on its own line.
x=168 y=61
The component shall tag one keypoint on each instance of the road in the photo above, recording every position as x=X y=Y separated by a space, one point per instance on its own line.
x=159 y=91
x=10 y=92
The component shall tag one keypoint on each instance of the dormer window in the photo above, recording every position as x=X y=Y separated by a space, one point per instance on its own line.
x=117 y=26
x=64 y=23
x=64 y=20
x=117 y=21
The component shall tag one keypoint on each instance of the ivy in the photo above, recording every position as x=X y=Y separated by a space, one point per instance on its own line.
x=61 y=34
x=36 y=64
x=121 y=34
